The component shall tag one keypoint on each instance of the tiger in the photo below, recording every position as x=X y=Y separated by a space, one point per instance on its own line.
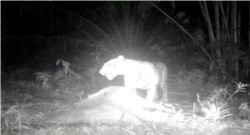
x=142 y=75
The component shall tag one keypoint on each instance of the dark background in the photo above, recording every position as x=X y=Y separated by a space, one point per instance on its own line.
x=36 y=34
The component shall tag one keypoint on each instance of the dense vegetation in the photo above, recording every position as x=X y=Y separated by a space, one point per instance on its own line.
x=52 y=52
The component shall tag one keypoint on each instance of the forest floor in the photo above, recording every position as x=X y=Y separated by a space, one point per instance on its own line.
x=25 y=100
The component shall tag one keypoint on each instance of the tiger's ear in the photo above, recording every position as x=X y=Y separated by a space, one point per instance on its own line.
x=120 y=57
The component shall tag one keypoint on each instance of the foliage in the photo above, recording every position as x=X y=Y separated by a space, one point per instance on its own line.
x=244 y=110
x=128 y=33
x=187 y=125
x=216 y=106
x=65 y=78
x=194 y=81
x=43 y=77
x=180 y=122
x=214 y=112
x=66 y=72
x=224 y=96
x=123 y=28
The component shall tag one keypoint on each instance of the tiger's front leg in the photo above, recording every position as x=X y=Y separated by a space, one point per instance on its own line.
x=151 y=94
x=129 y=84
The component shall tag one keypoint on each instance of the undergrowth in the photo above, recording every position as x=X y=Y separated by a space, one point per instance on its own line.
x=216 y=114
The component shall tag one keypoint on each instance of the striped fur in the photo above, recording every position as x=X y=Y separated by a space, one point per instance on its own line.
x=141 y=75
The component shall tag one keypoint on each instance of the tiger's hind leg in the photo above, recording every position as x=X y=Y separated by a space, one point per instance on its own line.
x=163 y=84
x=152 y=94
x=165 y=97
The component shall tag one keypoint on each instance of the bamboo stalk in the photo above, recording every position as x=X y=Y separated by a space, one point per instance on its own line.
x=224 y=20
x=210 y=28
x=234 y=15
x=217 y=22
x=249 y=25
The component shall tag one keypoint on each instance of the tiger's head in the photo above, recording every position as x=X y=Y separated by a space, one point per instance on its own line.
x=113 y=68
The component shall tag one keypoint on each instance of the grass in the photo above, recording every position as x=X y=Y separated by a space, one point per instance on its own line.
x=22 y=100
